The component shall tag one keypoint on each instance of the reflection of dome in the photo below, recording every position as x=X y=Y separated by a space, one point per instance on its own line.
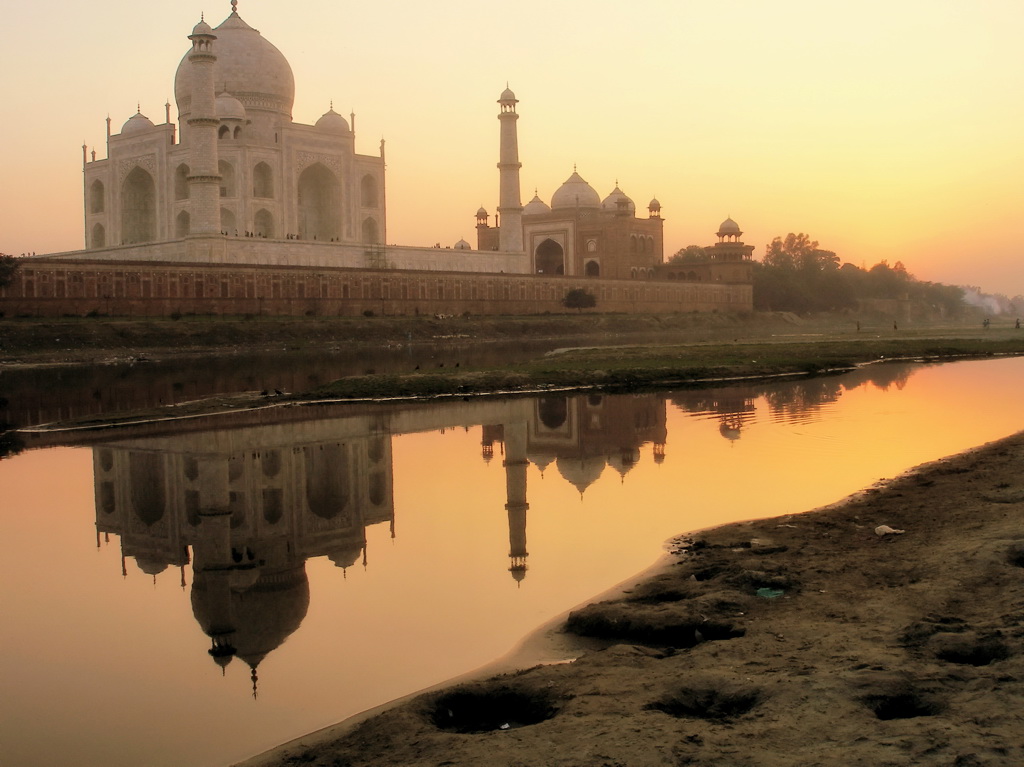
x=611 y=202
x=536 y=206
x=730 y=430
x=136 y=122
x=624 y=461
x=581 y=472
x=150 y=566
x=333 y=122
x=575 y=192
x=247 y=65
x=258 y=619
x=229 y=108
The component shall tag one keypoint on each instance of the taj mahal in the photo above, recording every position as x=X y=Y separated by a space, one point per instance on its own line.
x=237 y=208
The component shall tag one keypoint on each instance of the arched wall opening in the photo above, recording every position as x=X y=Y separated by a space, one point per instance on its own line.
x=227 y=178
x=319 y=204
x=227 y=221
x=550 y=258
x=371 y=232
x=263 y=224
x=263 y=181
x=368 y=191
x=181 y=187
x=97 y=197
x=592 y=269
x=99 y=236
x=182 y=225
x=138 y=208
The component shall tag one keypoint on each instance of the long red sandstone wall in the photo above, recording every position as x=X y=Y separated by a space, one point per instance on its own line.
x=56 y=288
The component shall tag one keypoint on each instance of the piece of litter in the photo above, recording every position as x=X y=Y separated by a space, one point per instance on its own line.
x=766 y=593
x=505 y=726
x=886 y=530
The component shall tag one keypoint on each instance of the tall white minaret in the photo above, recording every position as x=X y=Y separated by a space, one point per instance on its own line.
x=204 y=172
x=510 y=206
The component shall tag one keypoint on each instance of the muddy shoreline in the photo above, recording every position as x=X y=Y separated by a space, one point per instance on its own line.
x=808 y=639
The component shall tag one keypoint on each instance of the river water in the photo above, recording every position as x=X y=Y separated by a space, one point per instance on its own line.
x=196 y=592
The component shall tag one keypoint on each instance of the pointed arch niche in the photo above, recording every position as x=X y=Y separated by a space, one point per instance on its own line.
x=319 y=204
x=550 y=258
x=138 y=207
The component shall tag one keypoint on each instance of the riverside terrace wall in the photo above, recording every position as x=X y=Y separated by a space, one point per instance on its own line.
x=46 y=287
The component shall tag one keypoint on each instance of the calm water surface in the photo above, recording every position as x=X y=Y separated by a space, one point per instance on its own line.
x=199 y=592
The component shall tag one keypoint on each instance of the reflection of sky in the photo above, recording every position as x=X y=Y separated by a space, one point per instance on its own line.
x=122 y=665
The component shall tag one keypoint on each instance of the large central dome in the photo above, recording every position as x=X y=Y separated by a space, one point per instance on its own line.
x=248 y=67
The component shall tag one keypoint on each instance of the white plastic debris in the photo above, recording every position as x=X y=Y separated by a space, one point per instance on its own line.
x=886 y=530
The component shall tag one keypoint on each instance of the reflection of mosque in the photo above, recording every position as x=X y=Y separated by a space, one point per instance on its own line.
x=246 y=506
x=581 y=436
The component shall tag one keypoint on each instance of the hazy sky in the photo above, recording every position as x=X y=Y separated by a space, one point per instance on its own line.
x=885 y=130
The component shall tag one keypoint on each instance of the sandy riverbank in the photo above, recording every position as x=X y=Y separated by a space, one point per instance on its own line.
x=800 y=640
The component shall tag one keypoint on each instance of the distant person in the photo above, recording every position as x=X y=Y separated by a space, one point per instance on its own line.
x=858 y=326
x=1018 y=324
x=985 y=323
x=894 y=326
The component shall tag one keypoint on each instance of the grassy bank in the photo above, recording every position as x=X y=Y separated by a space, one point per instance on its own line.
x=626 y=368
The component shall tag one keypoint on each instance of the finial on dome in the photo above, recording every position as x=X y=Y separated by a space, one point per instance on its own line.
x=234 y=6
x=202 y=16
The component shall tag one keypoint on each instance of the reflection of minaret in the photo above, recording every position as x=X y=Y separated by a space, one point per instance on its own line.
x=515 y=489
x=510 y=205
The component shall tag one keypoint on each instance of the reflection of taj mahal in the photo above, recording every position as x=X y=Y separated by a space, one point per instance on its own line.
x=246 y=507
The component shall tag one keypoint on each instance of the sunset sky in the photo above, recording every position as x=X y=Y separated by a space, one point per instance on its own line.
x=885 y=130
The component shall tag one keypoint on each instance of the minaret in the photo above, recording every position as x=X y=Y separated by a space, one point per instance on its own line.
x=204 y=180
x=510 y=206
x=516 y=464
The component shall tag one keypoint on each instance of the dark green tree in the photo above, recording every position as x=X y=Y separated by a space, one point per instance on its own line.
x=8 y=266
x=579 y=299
x=691 y=254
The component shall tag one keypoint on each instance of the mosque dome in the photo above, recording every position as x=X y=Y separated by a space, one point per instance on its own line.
x=482 y=213
x=229 y=108
x=333 y=122
x=137 y=122
x=247 y=66
x=575 y=192
x=729 y=227
x=654 y=206
x=507 y=95
x=462 y=245
x=535 y=206
x=611 y=202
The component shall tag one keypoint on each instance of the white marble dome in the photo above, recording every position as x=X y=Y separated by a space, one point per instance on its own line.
x=137 y=122
x=575 y=192
x=729 y=227
x=248 y=66
x=333 y=122
x=229 y=108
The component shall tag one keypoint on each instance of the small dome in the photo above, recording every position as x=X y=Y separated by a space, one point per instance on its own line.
x=137 y=122
x=729 y=227
x=462 y=245
x=333 y=122
x=575 y=192
x=654 y=205
x=482 y=213
x=507 y=95
x=202 y=28
x=536 y=206
x=228 y=107
x=611 y=202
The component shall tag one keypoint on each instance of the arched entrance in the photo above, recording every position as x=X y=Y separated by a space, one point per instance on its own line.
x=370 y=233
x=182 y=225
x=319 y=204
x=263 y=223
x=550 y=258
x=227 y=221
x=138 y=208
x=592 y=269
